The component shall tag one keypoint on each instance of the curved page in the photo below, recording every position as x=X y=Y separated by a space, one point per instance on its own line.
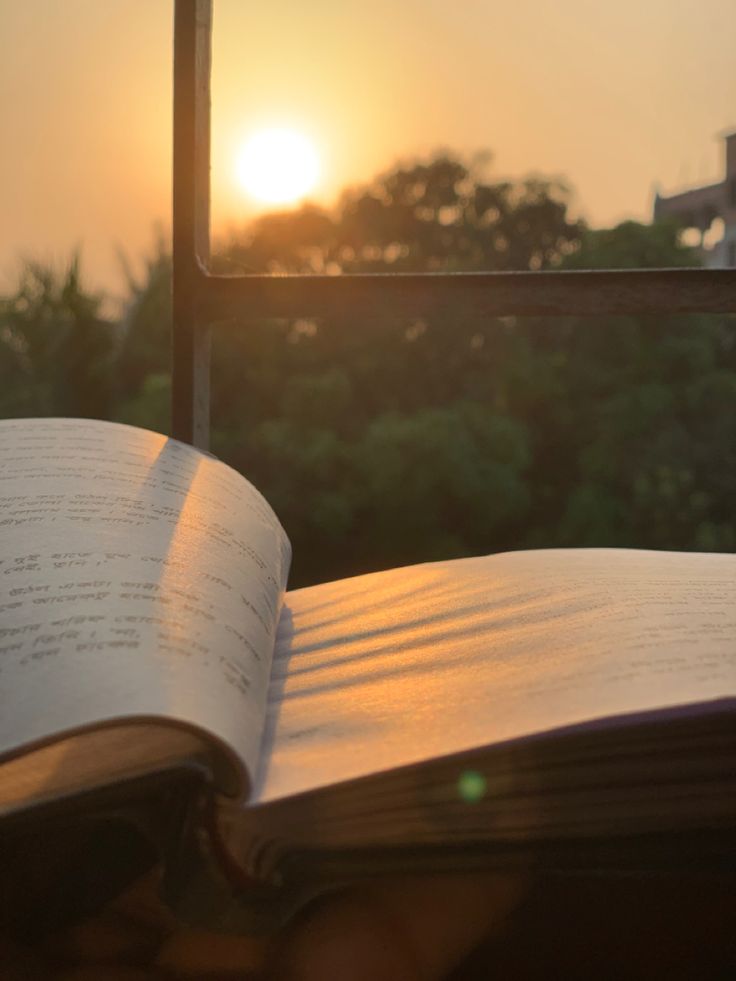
x=139 y=579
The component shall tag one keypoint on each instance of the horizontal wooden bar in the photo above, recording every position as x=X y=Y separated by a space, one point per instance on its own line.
x=538 y=294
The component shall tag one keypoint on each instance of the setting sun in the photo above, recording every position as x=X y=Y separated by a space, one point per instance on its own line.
x=277 y=166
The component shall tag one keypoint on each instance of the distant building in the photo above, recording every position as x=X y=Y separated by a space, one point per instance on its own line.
x=701 y=206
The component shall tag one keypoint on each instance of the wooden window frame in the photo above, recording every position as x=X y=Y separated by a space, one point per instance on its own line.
x=200 y=298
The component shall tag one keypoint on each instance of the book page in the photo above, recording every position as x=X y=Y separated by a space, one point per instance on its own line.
x=394 y=668
x=139 y=578
x=86 y=760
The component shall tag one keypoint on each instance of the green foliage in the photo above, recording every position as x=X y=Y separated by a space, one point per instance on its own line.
x=631 y=245
x=439 y=215
x=146 y=346
x=383 y=440
x=56 y=349
x=439 y=482
x=150 y=406
x=646 y=443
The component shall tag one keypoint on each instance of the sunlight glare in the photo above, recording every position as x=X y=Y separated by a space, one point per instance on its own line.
x=278 y=166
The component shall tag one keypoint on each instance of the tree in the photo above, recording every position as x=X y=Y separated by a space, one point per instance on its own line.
x=56 y=347
x=393 y=440
x=146 y=326
x=389 y=439
x=637 y=446
x=436 y=215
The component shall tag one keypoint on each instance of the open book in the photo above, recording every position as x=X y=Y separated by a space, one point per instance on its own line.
x=530 y=700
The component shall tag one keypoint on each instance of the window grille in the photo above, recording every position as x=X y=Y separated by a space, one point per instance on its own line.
x=200 y=298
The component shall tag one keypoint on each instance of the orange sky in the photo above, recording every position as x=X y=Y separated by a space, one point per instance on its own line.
x=611 y=95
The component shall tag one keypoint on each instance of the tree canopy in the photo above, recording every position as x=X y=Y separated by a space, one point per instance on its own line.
x=439 y=215
x=394 y=440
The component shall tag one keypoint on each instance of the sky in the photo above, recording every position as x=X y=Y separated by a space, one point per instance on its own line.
x=612 y=97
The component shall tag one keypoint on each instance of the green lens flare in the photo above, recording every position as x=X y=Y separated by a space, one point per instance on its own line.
x=471 y=786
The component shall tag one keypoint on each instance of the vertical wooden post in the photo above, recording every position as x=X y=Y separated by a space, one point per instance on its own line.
x=191 y=220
